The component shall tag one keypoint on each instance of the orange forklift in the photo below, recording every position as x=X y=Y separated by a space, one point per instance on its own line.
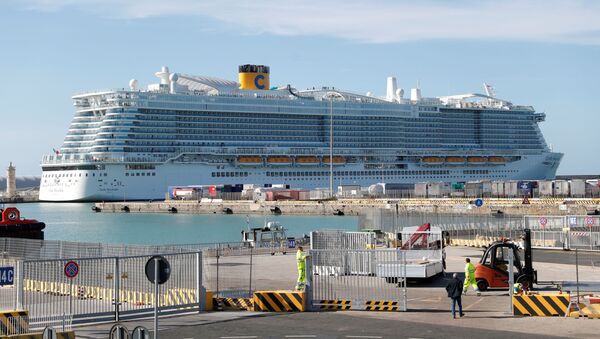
x=492 y=269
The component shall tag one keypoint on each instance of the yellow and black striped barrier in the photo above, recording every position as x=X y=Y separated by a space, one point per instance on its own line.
x=233 y=304
x=14 y=322
x=59 y=335
x=334 y=304
x=381 y=305
x=541 y=305
x=279 y=301
x=591 y=311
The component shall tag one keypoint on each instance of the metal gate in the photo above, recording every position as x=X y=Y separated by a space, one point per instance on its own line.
x=373 y=280
x=106 y=289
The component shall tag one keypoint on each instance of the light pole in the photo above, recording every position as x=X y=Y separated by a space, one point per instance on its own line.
x=330 y=96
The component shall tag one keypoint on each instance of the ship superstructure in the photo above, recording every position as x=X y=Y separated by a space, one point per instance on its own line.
x=132 y=144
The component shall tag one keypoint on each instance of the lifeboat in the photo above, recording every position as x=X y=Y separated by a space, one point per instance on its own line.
x=307 y=161
x=432 y=160
x=477 y=160
x=279 y=160
x=497 y=160
x=12 y=226
x=455 y=160
x=249 y=161
x=337 y=160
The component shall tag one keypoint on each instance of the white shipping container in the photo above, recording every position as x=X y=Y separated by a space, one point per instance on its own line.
x=497 y=188
x=577 y=188
x=421 y=189
x=511 y=188
x=561 y=188
x=545 y=188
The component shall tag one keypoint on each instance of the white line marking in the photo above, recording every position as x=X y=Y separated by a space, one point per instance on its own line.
x=241 y=337
x=301 y=336
x=364 y=336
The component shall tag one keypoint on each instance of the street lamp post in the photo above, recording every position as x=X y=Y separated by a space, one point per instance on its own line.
x=331 y=96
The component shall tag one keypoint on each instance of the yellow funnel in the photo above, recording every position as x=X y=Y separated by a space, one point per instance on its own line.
x=254 y=77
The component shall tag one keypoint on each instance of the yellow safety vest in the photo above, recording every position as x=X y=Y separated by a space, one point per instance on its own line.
x=301 y=259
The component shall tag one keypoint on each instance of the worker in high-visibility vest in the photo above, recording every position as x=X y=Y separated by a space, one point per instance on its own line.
x=470 y=277
x=301 y=261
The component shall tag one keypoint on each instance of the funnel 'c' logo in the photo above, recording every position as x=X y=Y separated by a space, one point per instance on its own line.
x=259 y=81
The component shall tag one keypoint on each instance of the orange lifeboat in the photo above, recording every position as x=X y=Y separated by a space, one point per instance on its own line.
x=477 y=160
x=279 y=160
x=455 y=160
x=497 y=160
x=432 y=160
x=249 y=160
x=337 y=160
x=307 y=161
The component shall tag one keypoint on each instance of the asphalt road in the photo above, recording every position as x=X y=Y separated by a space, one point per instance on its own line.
x=332 y=325
x=585 y=258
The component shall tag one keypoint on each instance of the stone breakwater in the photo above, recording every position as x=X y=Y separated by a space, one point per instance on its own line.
x=549 y=206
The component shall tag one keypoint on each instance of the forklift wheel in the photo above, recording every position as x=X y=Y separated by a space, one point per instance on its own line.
x=525 y=282
x=482 y=285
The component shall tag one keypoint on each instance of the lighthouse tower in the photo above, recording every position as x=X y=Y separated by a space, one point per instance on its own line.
x=11 y=181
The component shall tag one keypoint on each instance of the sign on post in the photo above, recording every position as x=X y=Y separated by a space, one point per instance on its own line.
x=71 y=269
x=479 y=202
x=543 y=221
x=7 y=276
x=158 y=271
x=164 y=269
x=589 y=221
x=572 y=221
x=291 y=243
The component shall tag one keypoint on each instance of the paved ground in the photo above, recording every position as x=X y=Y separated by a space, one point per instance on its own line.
x=428 y=315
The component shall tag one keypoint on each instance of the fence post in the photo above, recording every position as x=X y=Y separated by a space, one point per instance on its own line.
x=308 y=283
x=250 y=279
x=200 y=292
x=20 y=285
x=117 y=287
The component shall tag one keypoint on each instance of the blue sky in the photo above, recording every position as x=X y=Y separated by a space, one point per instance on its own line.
x=540 y=53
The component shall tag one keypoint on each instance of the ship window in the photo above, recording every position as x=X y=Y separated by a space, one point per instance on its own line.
x=137 y=174
x=153 y=174
x=143 y=174
x=213 y=174
x=126 y=174
x=93 y=174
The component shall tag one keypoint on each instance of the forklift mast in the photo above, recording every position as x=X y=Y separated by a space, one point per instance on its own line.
x=528 y=269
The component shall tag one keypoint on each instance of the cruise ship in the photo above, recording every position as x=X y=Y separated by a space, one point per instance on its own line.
x=132 y=143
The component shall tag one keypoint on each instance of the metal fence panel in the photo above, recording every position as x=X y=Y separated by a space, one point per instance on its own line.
x=364 y=278
x=107 y=289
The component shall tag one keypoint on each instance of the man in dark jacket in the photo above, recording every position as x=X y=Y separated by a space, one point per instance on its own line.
x=454 y=290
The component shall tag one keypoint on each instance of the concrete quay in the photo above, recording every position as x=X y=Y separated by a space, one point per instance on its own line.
x=515 y=207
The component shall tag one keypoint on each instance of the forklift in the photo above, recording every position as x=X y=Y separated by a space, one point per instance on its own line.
x=492 y=269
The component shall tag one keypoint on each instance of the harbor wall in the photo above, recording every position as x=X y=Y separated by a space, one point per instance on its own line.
x=359 y=206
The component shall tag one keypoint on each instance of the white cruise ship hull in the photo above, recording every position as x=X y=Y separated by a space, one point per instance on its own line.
x=115 y=183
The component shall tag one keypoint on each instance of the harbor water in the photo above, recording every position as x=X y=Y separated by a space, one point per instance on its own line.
x=77 y=222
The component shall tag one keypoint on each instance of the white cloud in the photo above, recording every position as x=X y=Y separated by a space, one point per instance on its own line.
x=378 y=21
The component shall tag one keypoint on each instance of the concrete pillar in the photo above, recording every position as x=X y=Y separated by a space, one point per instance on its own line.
x=11 y=181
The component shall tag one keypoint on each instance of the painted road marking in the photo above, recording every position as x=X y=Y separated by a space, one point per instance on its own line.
x=301 y=336
x=241 y=337
x=364 y=336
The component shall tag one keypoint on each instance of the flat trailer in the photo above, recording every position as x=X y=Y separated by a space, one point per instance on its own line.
x=423 y=247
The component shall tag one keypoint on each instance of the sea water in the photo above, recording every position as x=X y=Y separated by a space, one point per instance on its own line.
x=77 y=222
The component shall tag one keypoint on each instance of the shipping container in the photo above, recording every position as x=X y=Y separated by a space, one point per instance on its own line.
x=473 y=189
x=438 y=189
x=561 y=188
x=421 y=189
x=525 y=188
x=498 y=189
x=486 y=189
x=304 y=195
x=511 y=188
x=545 y=188
x=319 y=194
x=577 y=188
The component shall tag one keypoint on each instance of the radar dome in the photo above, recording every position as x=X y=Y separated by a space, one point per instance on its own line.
x=133 y=83
x=173 y=77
